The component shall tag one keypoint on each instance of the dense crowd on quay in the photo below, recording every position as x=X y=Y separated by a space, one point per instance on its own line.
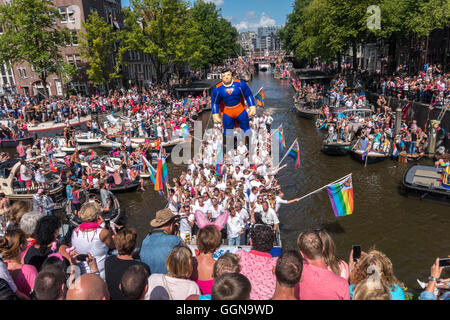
x=234 y=202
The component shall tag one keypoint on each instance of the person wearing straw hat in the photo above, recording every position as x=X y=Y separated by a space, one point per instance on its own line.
x=160 y=241
x=91 y=238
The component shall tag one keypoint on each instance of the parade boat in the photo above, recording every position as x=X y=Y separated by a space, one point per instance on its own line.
x=372 y=157
x=428 y=182
x=9 y=184
x=12 y=143
x=337 y=148
x=94 y=196
x=306 y=112
x=52 y=126
x=88 y=139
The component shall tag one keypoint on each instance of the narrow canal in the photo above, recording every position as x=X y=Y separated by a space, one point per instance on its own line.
x=410 y=232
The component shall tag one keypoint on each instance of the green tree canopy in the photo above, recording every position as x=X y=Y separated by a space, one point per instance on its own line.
x=31 y=34
x=98 y=46
x=164 y=30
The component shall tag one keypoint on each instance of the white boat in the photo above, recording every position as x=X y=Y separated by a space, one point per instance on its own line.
x=88 y=138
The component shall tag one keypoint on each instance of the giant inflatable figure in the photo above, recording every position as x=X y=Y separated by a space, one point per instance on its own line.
x=228 y=103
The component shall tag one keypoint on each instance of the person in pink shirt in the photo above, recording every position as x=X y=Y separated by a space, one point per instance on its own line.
x=318 y=283
x=21 y=150
x=23 y=275
x=338 y=267
x=258 y=264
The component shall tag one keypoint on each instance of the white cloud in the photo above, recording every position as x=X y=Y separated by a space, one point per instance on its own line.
x=218 y=3
x=246 y=24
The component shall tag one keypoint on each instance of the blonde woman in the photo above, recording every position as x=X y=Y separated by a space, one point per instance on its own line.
x=175 y=285
x=377 y=267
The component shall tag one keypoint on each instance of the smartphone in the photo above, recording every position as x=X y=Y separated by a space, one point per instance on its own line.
x=444 y=262
x=356 y=252
x=82 y=257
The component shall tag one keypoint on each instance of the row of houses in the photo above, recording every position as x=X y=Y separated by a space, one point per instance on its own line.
x=21 y=78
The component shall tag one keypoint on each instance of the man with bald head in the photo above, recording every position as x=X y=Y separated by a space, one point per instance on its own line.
x=88 y=287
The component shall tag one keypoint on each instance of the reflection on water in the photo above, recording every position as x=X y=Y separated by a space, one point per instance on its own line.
x=412 y=233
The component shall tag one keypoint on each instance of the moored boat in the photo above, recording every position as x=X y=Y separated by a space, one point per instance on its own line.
x=428 y=182
x=306 y=112
x=373 y=156
x=339 y=148
x=112 y=215
x=12 y=143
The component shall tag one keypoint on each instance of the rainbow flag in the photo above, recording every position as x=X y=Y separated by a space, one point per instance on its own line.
x=165 y=172
x=260 y=95
x=341 y=197
x=151 y=170
x=219 y=162
x=158 y=180
x=294 y=153
x=366 y=152
x=185 y=132
x=280 y=135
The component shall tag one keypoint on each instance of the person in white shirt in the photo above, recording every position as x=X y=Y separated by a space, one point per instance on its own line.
x=266 y=215
x=245 y=221
x=187 y=220
x=235 y=228
x=279 y=201
x=216 y=209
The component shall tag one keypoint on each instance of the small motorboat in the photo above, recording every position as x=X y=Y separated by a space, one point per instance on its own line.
x=12 y=143
x=339 y=148
x=94 y=196
x=428 y=182
x=88 y=139
x=373 y=156
x=305 y=111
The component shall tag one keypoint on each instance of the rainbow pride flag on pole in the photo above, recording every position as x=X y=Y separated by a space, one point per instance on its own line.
x=260 y=95
x=158 y=180
x=280 y=135
x=366 y=152
x=294 y=153
x=151 y=170
x=341 y=197
x=219 y=162
x=165 y=172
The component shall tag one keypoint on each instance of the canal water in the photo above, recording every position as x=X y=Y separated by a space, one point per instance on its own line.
x=412 y=233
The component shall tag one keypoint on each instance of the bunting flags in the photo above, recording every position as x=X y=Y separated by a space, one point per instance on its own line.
x=294 y=153
x=341 y=197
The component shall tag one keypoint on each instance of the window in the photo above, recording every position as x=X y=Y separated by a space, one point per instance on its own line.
x=70 y=14
x=92 y=9
x=70 y=59
x=67 y=14
x=24 y=72
x=62 y=12
x=20 y=72
x=74 y=38
x=77 y=59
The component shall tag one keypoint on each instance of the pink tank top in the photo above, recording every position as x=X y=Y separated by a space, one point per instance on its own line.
x=205 y=286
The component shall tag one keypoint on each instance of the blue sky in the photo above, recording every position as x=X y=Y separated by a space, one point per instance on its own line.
x=248 y=15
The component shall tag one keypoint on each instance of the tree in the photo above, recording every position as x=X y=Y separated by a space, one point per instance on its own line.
x=164 y=30
x=31 y=34
x=294 y=21
x=98 y=47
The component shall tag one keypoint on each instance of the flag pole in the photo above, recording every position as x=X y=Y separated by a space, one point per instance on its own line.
x=286 y=153
x=320 y=189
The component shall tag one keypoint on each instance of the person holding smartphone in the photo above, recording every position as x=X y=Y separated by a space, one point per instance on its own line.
x=434 y=282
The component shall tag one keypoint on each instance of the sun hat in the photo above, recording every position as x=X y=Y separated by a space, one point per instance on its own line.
x=89 y=211
x=162 y=217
